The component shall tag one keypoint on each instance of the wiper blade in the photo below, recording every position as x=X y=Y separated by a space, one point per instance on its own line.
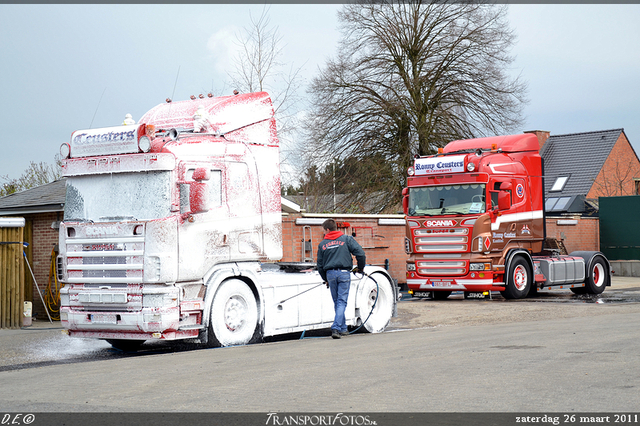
x=447 y=211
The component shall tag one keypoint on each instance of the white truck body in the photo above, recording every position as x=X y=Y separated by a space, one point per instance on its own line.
x=168 y=224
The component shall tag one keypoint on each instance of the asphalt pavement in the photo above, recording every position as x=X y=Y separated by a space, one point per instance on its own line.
x=554 y=353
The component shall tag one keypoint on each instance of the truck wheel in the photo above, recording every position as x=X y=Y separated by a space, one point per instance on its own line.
x=440 y=295
x=382 y=296
x=518 y=279
x=126 y=345
x=598 y=277
x=234 y=315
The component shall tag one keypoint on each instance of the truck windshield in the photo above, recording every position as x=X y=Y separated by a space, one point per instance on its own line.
x=447 y=199
x=118 y=197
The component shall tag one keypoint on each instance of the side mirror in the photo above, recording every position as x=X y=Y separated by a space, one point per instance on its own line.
x=504 y=200
x=199 y=191
x=405 y=200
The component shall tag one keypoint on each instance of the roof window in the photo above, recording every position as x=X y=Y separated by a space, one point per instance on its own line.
x=559 y=184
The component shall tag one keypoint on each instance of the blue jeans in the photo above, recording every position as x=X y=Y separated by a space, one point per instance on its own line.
x=339 y=284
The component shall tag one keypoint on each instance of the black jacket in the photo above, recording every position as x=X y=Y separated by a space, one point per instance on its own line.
x=334 y=252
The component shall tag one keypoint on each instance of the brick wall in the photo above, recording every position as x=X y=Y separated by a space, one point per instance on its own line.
x=577 y=233
x=617 y=175
x=380 y=242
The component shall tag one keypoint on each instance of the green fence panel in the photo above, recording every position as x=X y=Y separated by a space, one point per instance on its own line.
x=620 y=227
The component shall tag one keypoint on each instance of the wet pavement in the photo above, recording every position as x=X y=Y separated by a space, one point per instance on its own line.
x=622 y=290
x=44 y=343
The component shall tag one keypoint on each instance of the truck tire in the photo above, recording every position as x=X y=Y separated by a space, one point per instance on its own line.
x=598 y=278
x=126 y=345
x=518 y=280
x=440 y=295
x=234 y=315
x=375 y=302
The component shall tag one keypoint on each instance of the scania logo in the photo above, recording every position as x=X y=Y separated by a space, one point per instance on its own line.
x=101 y=230
x=440 y=223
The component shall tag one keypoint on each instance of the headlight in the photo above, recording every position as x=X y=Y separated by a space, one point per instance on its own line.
x=144 y=143
x=479 y=266
x=65 y=150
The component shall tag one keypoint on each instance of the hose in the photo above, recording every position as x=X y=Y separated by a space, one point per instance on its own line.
x=370 y=312
x=52 y=292
x=374 y=302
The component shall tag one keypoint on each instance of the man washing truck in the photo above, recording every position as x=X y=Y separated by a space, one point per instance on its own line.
x=334 y=265
x=172 y=230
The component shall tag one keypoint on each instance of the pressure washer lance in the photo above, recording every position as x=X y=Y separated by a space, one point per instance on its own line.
x=296 y=295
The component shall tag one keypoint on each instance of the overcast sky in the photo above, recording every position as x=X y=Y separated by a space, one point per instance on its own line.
x=70 y=67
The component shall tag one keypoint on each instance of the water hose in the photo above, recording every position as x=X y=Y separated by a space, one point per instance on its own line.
x=52 y=295
x=374 y=302
x=370 y=312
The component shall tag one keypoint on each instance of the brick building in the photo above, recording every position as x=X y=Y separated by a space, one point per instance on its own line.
x=579 y=168
x=42 y=208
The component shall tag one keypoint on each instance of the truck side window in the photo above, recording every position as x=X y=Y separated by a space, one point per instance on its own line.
x=184 y=198
x=215 y=188
x=494 y=195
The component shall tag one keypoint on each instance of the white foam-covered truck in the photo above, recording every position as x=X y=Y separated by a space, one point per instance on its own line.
x=172 y=230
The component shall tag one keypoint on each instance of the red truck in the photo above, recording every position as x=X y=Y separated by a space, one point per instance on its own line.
x=172 y=230
x=476 y=223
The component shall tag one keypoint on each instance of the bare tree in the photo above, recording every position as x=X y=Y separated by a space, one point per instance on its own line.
x=410 y=77
x=35 y=175
x=337 y=188
x=258 y=67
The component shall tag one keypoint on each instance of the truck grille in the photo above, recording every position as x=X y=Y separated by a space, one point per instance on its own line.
x=453 y=240
x=108 y=260
x=444 y=267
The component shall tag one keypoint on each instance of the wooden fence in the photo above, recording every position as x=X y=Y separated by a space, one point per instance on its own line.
x=12 y=277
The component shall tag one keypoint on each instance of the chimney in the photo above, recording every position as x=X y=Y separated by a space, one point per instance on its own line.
x=542 y=135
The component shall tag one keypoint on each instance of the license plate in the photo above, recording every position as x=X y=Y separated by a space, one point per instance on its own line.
x=441 y=283
x=474 y=295
x=422 y=294
x=103 y=319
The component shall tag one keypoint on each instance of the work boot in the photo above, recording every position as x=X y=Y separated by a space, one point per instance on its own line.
x=344 y=333
x=335 y=334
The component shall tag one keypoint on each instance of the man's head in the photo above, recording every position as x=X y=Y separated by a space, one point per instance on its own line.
x=329 y=225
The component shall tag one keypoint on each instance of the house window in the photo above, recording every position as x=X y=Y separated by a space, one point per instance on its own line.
x=636 y=182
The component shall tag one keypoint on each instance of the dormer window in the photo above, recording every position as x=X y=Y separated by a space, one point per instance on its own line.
x=560 y=182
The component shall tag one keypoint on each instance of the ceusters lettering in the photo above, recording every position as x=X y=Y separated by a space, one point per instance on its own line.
x=440 y=223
